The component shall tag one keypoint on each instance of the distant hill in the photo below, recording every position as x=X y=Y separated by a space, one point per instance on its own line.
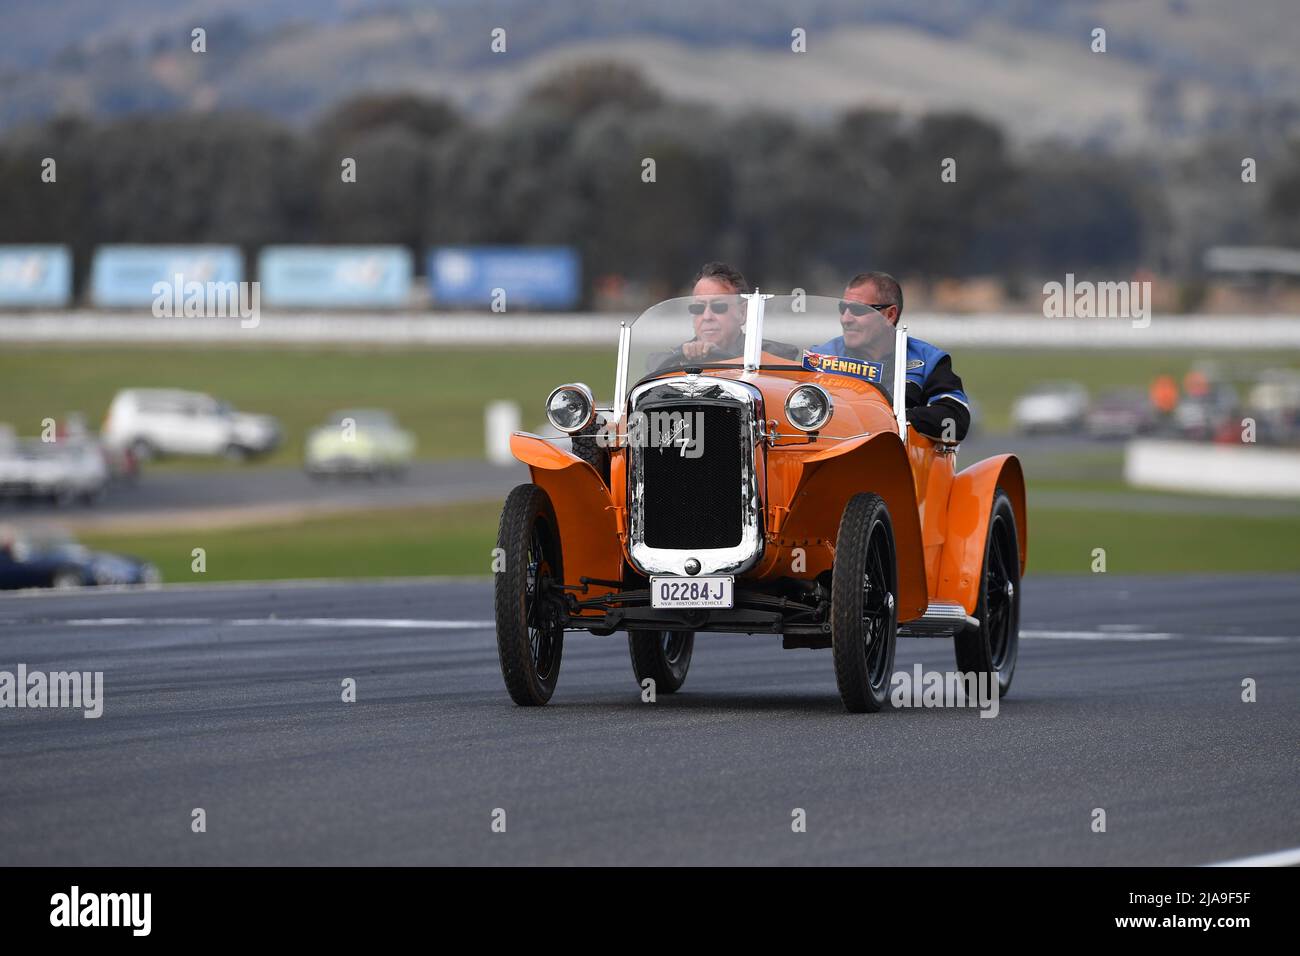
x=1172 y=68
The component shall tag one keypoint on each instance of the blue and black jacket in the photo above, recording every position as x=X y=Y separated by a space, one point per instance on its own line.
x=934 y=392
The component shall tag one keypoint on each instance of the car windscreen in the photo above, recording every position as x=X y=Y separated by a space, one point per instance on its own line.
x=818 y=333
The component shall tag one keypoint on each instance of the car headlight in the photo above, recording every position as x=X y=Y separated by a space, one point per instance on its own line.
x=571 y=408
x=808 y=407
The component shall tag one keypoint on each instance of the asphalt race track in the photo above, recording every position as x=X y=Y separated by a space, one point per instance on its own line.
x=1127 y=697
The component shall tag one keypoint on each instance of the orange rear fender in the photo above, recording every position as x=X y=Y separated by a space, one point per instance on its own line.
x=970 y=504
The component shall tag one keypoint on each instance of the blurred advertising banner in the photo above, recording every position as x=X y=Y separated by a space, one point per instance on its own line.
x=312 y=276
x=506 y=277
x=35 y=276
x=126 y=276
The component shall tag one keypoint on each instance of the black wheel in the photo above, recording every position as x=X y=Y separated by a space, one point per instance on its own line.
x=66 y=578
x=663 y=656
x=864 y=606
x=529 y=608
x=993 y=648
x=237 y=453
x=589 y=450
x=142 y=450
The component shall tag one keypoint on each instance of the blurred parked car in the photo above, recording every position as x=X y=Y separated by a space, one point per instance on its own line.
x=1050 y=407
x=153 y=422
x=62 y=471
x=365 y=441
x=1205 y=416
x=1121 y=413
x=54 y=560
x=1274 y=401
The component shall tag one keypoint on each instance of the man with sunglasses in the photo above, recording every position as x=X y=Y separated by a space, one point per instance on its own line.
x=718 y=314
x=937 y=405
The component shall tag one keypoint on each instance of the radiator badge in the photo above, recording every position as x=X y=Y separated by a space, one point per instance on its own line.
x=662 y=430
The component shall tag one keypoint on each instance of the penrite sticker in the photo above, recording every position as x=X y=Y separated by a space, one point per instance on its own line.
x=839 y=365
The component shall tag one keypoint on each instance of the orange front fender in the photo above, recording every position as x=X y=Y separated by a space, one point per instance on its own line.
x=876 y=463
x=589 y=525
x=970 y=503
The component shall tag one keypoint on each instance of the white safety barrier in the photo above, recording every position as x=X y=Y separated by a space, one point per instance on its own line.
x=1246 y=470
x=499 y=420
x=1216 y=333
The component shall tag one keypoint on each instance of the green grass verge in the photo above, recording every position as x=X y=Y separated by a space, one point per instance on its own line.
x=1063 y=541
x=440 y=393
x=459 y=540
x=383 y=543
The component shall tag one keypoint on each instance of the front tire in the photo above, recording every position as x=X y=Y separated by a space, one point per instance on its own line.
x=529 y=612
x=994 y=647
x=662 y=656
x=864 y=604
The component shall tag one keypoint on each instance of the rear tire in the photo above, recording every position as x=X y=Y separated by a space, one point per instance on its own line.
x=662 y=656
x=529 y=609
x=864 y=604
x=994 y=647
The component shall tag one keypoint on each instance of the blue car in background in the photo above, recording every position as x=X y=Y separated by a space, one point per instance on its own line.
x=52 y=560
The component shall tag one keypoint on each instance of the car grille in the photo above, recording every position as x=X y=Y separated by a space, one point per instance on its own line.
x=697 y=503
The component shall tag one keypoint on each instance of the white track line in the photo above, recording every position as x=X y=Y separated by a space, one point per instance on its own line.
x=1153 y=636
x=1096 y=636
x=1280 y=858
x=357 y=622
x=441 y=624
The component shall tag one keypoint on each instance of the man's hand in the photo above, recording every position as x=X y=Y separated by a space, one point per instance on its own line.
x=944 y=421
x=698 y=349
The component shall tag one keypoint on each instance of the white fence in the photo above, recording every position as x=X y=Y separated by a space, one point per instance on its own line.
x=1245 y=470
x=487 y=329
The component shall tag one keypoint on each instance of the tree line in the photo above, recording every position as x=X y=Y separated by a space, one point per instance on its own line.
x=796 y=203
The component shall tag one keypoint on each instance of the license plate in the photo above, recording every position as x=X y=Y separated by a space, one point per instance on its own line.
x=715 y=591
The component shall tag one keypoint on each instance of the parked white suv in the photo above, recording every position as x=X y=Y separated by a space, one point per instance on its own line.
x=152 y=422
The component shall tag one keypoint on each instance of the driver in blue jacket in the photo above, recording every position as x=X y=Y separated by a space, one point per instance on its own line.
x=936 y=404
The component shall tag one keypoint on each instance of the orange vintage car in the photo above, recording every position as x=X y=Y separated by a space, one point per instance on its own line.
x=779 y=491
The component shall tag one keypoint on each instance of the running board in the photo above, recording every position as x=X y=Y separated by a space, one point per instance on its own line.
x=941 y=619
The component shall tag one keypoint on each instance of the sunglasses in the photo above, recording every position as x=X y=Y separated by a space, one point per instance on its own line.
x=717 y=307
x=862 y=308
